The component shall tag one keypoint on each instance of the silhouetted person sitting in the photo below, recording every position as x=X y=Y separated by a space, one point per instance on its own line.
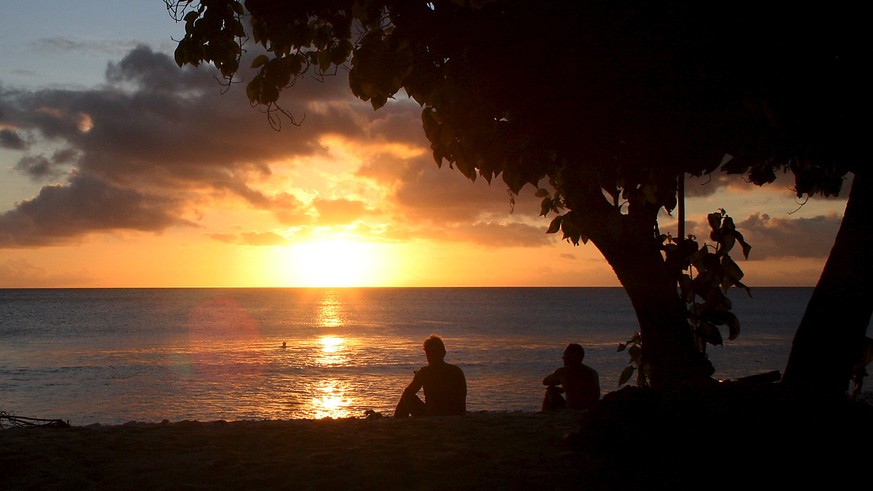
x=579 y=383
x=445 y=387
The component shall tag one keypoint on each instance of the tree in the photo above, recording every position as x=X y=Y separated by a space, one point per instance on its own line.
x=606 y=102
x=806 y=83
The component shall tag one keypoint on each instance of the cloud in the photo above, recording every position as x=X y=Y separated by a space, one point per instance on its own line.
x=35 y=166
x=155 y=117
x=780 y=237
x=263 y=239
x=11 y=140
x=226 y=238
x=422 y=191
x=340 y=211
x=39 y=167
x=154 y=131
x=61 y=213
x=289 y=210
x=64 y=45
x=157 y=142
x=776 y=238
x=509 y=235
x=17 y=271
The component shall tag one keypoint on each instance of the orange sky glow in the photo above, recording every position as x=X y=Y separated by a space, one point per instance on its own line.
x=134 y=173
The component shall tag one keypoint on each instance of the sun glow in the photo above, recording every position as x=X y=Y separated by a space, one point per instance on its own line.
x=333 y=263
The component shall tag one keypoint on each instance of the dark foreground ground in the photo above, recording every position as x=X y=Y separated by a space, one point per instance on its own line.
x=635 y=440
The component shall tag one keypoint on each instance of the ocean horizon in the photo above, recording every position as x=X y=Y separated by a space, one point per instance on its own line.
x=113 y=355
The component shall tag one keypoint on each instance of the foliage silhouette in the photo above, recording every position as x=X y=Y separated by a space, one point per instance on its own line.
x=601 y=106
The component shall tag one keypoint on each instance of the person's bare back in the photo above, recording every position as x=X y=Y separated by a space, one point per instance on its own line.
x=579 y=382
x=444 y=384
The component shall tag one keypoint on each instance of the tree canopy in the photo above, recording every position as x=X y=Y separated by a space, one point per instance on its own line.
x=602 y=106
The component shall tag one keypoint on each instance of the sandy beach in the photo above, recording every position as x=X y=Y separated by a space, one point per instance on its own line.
x=493 y=450
x=636 y=446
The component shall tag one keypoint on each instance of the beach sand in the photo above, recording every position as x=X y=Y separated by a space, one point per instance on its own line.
x=627 y=445
x=489 y=450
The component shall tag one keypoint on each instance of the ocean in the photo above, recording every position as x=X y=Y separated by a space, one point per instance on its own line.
x=111 y=356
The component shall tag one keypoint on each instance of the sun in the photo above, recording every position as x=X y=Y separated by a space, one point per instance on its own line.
x=335 y=263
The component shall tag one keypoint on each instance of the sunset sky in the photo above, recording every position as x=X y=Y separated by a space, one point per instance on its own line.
x=118 y=169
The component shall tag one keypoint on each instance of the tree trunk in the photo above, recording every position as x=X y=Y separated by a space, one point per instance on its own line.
x=834 y=325
x=633 y=252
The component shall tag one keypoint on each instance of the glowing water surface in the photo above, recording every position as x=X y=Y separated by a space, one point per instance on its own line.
x=116 y=355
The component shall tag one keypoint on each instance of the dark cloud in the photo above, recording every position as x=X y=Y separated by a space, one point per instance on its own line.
x=155 y=118
x=401 y=122
x=63 y=45
x=36 y=166
x=39 y=167
x=774 y=238
x=11 y=140
x=154 y=72
x=155 y=131
x=790 y=237
x=707 y=185
x=60 y=214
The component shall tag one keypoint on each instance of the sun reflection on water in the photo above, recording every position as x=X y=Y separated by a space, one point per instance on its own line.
x=332 y=353
x=329 y=400
x=330 y=311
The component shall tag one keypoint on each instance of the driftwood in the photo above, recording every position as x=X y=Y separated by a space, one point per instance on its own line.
x=10 y=421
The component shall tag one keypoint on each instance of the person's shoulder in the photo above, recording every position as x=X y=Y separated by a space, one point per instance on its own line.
x=454 y=368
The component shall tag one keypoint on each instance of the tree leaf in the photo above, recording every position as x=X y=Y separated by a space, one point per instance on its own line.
x=746 y=247
x=710 y=334
x=324 y=62
x=555 y=225
x=259 y=61
x=626 y=374
x=732 y=272
x=269 y=94
x=181 y=53
x=714 y=220
x=378 y=102
x=253 y=89
x=545 y=206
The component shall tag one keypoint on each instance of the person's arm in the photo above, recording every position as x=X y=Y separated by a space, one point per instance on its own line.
x=413 y=386
x=553 y=378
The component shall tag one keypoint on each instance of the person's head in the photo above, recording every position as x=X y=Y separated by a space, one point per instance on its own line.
x=434 y=349
x=574 y=353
